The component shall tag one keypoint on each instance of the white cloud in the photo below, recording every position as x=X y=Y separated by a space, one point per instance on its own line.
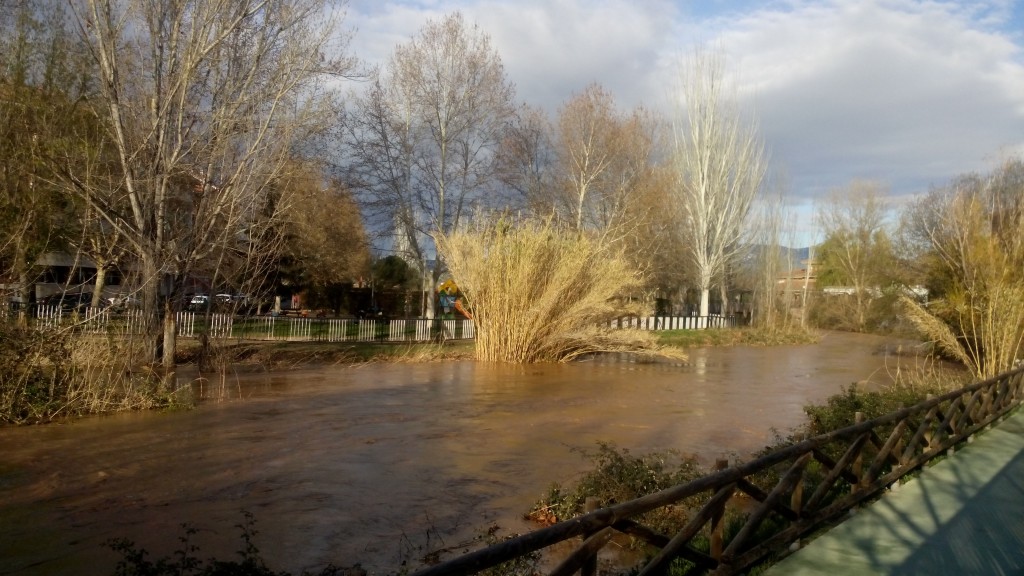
x=901 y=91
x=555 y=49
x=551 y=49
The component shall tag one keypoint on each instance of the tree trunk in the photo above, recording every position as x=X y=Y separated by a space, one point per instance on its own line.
x=705 y=291
x=170 y=337
x=861 y=302
x=21 y=267
x=149 y=289
x=435 y=278
x=23 y=296
x=97 y=290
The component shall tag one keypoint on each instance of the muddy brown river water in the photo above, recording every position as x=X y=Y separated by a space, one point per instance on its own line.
x=381 y=463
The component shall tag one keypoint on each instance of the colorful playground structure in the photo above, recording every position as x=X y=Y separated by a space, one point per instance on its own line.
x=451 y=299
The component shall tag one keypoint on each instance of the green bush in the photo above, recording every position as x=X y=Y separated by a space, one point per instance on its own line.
x=35 y=375
x=58 y=373
x=910 y=388
x=618 y=476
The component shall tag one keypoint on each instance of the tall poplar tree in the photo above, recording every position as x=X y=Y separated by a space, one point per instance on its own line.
x=720 y=163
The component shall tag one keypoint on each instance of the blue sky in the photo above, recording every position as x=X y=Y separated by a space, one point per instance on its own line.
x=903 y=92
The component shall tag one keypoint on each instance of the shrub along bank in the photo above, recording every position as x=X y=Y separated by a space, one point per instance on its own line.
x=618 y=476
x=50 y=375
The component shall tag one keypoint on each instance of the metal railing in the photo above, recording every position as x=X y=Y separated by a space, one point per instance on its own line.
x=674 y=322
x=776 y=499
x=301 y=328
x=222 y=325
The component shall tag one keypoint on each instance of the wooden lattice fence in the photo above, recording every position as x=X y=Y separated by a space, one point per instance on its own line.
x=772 y=501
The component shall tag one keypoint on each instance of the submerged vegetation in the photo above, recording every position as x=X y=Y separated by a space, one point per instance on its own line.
x=541 y=293
x=56 y=374
x=52 y=374
x=754 y=336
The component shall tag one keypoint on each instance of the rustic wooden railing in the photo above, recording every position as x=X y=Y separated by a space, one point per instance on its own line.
x=779 y=497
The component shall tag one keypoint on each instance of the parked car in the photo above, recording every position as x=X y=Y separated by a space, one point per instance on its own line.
x=78 y=301
x=229 y=299
x=121 y=303
x=374 y=313
x=236 y=303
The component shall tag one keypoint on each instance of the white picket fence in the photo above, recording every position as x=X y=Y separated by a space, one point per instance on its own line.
x=192 y=324
x=351 y=330
x=105 y=321
x=653 y=323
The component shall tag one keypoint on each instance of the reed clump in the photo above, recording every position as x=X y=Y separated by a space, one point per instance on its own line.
x=58 y=373
x=539 y=293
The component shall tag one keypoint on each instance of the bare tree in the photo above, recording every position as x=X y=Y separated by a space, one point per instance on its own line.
x=772 y=257
x=857 y=252
x=526 y=158
x=970 y=235
x=102 y=245
x=604 y=160
x=425 y=134
x=720 y=164
x=588 y=146
x=203 y=101
x=382 y=145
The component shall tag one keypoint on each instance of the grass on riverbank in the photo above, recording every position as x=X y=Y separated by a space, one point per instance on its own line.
x=291 y=354
x=106 y=375
x=272 y=355
x=734 y=337
x=55 y=374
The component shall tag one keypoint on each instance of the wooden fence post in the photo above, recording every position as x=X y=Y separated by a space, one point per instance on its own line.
x=796 y=501
x=929 y=435
x=900 y=445
x=718 y=521
x=589 y=568
x=858 y=462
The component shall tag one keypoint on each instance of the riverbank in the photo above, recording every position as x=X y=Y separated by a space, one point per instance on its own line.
x=61 y=375
x=283 y=355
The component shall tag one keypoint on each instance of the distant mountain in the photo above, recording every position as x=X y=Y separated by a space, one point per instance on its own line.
x=794 y=256
x=798 y=255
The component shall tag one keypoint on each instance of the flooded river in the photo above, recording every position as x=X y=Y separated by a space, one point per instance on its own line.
x=381 y=463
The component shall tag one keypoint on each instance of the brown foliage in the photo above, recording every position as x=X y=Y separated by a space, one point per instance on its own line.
x=541 y=294
x=325 y=232
x=971 y=234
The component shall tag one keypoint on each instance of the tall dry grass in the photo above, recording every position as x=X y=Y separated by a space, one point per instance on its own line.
x=974 y=238
x=54 y=374
x=981 y=328
x=542 y=294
